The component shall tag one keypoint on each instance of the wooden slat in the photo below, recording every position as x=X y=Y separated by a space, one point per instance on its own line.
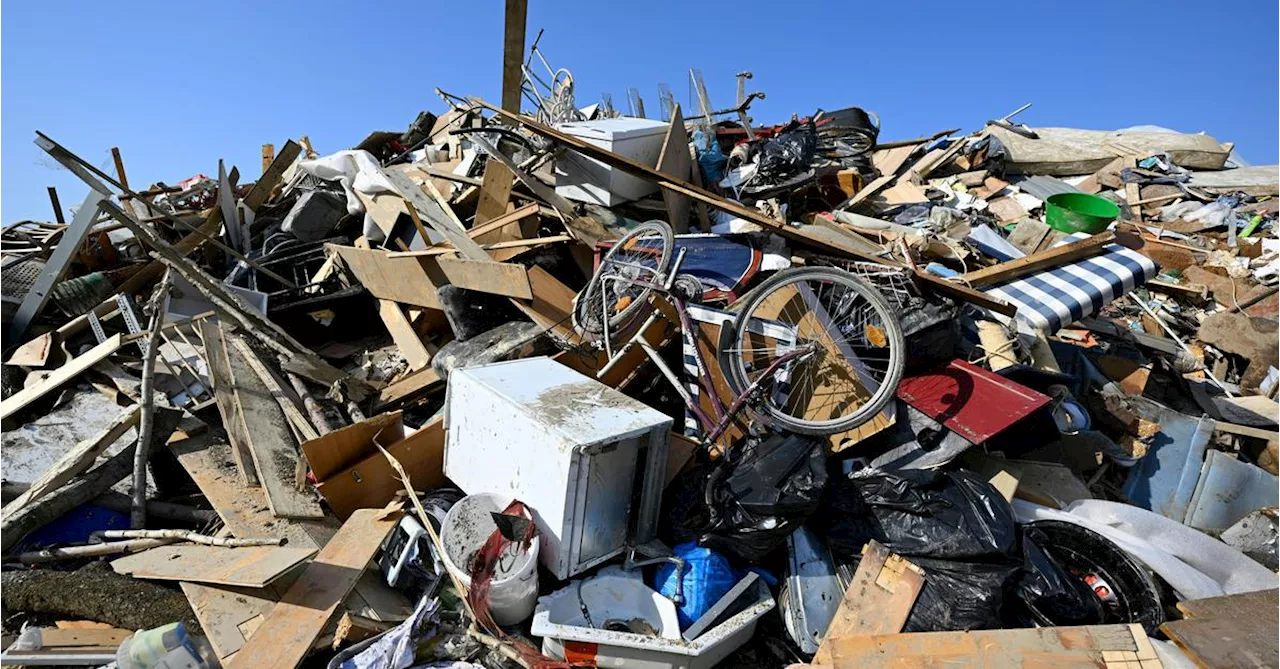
x=52 y=637
x=75 y=461
x=433 y=213
x=495 y=229
x=289 y=402
x=495 y=193
x=997 y=649
x=410 y=387
x=275 y=454
x=403 y=334
x=287 y=633
x=215 y=353
x=675 y=162
x=250 y=567
x=877 y=601
x=1047 y=259
x=414 y=279
x=63 y=374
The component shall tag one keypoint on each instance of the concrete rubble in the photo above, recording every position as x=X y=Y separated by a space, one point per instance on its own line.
x=543 y=384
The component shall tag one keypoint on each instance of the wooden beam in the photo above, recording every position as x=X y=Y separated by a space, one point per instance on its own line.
x=56 y=267
x=218 y=359
x=513 y=54
x=115 y=156
x=1046 y=259
x=289 y=630
x=268 y=155
x=272 y=446
x=799 y=234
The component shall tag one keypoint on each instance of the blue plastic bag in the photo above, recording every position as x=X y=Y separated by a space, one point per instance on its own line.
x=708 y=576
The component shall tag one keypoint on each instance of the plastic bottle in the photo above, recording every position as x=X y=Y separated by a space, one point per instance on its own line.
x=166 y=647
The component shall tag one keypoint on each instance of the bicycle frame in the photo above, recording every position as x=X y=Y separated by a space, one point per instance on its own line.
x=724 y=416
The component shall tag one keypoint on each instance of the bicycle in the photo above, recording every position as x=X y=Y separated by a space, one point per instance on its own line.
x=812 y=350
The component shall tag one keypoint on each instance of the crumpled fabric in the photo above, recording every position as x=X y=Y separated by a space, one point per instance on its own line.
x=396 y=648
x=1193 y=563
x=356 y=170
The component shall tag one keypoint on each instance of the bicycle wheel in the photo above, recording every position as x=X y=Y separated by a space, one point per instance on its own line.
x=852 y=342
x=644 y=254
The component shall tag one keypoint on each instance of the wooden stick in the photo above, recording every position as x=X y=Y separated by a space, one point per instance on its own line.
x=186 y=535
x=146 y=423
x=1054 y=257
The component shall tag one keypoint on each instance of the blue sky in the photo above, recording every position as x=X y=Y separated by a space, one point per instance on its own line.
x=179 y=85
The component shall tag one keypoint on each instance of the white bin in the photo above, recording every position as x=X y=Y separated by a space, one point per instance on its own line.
x=585 y=180
x=513 y=592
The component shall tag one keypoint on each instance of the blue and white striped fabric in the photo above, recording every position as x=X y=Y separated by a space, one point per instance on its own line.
x=1050 y=300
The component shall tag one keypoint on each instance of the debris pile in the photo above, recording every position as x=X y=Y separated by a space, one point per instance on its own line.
x=567 y=387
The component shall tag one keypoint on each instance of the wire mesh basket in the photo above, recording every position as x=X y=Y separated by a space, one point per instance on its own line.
x=894 y=283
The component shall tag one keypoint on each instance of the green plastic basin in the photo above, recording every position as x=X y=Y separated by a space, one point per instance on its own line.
x=1079 y=212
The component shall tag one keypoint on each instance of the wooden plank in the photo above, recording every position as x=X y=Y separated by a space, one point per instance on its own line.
x=674 y=161
x=552 y=304
x=403 y=334
x=63 y=374
x=56 y=267
x=215 y=353
x=372 y=482
x=53 y=637
x=414 y=279
x=410 y=387
x=999 y=649
x=275 y=454
x=494 y=229
x=433 y=212
x=1246 y=431
x=76 y=461
x=1244 y=638
x=495 y=193
x=250 y=567
x=501 y=251
x=226 y=613
x=877 y=601
x=289 y=630
x=799 y=234
x=1261 y=604
x=1047 y=259
x=289 y=402
x=513 y=53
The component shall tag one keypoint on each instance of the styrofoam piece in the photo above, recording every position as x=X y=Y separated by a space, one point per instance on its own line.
x=1229 y=490
x=513 y=592
x=636 y=651
x=1196 y=565
x=587 y=459
x=584 y=179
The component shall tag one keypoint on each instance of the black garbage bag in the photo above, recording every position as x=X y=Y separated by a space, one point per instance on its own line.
x=788 y=153
x=953 y=525
x=1044 y=595
x=1105 y=584
x=748 y=506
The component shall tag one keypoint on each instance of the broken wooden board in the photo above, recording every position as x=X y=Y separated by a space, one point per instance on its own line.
x=413 y=278
x=403 y=334
x=34 y=353
x=215 y=349
x=505 y=228
x=105 y=637
x=76 y=461
x=495 y=192
x=1092 y=647
x=1230 y=631
x=408 y=389
x=63 y=374
x=674 y=161
x=249 y=567
x=433 y=212
x=877 y=601
x=290 y=629
x=274 y=450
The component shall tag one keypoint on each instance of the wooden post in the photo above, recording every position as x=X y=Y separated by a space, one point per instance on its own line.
x=513 y=54
x=57 y=206
x=115 y=155
x=268 y=155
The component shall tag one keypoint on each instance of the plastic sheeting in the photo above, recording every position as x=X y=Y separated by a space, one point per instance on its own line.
x=356 y=171
x=1194 y=564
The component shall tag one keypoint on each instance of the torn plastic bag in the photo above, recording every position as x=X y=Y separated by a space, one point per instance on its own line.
x=788 y=153
x=953 y=525
x=748 y=506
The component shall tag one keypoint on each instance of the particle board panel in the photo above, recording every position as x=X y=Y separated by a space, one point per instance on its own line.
x=250 y=567
x=877 y=601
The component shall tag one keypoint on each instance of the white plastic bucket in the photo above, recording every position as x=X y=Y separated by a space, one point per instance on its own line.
x=513 y=592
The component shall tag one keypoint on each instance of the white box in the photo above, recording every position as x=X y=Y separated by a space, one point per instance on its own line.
x=586 y=180
x=566 y=445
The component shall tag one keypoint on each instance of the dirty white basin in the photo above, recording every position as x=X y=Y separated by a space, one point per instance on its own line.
x=624 y=598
